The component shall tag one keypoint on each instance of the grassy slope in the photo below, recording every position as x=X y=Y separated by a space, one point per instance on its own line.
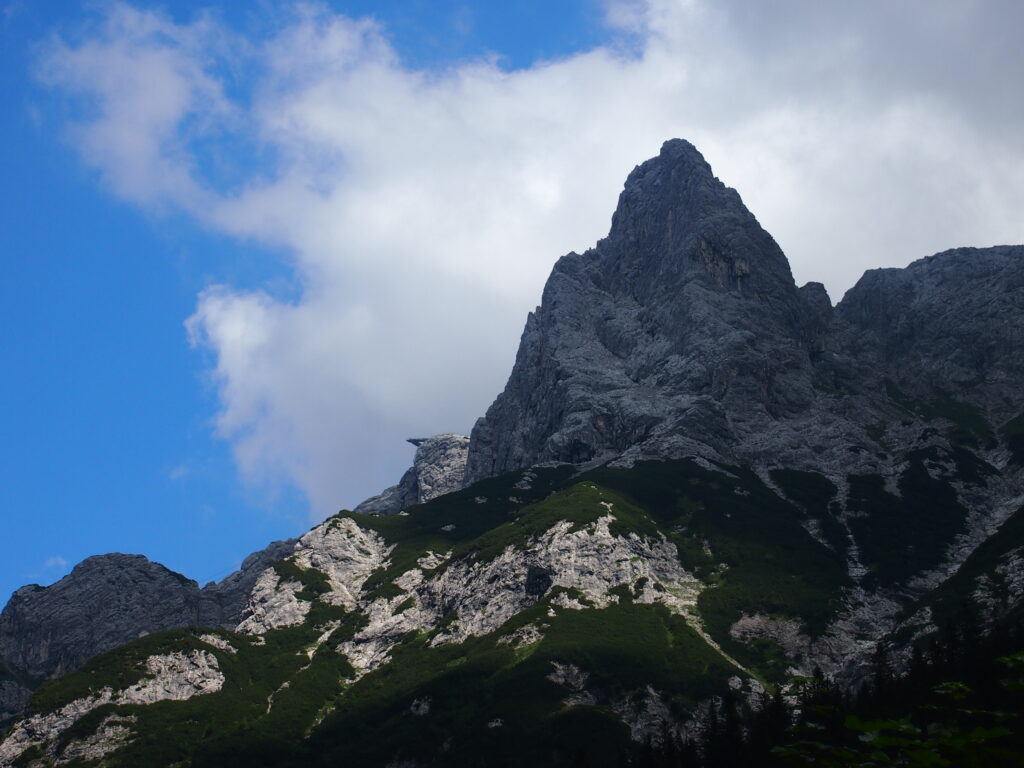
x=762 y=559
x=954 y=598
x=482 y=680
x=901 y=536
x=748 y=544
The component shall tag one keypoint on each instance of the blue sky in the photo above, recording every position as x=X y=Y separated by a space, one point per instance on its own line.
x=108 y=412
x=250 y=248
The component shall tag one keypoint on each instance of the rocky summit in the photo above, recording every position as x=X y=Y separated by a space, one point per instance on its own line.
x=706 y=506
x=683 y=334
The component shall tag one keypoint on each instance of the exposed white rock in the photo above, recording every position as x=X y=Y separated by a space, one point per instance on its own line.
x=525 y=482
x=986 y=511
x=478 y=597
x=440 y=465
x=218 y=642
x=438 y=468
x=173 y=677
x=431 y=560
x=568 y=675
x=420 y=707
x=273 y=694
x=272 y=604
x=523 y=637
x=340 y=549
x=564 y=600
x=646 y=714
x=788 y=633
x=40 y=729
x=845 y=649
x=1002 y=591
x=371 y=646
x=593 y=560
x=112 y=734
x=346 y=553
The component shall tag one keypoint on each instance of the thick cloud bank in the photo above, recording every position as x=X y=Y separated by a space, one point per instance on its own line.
x=421 y=210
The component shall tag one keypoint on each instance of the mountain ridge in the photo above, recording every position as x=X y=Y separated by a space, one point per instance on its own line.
x=686 y=439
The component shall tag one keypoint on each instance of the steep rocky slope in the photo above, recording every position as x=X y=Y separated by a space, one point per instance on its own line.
x=103 y=603
x=682 y=333
x=106 y=601
x=528 y=616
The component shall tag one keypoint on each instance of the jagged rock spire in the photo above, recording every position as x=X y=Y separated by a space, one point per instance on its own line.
x=677 y=332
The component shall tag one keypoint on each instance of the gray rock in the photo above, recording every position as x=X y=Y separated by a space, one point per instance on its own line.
x=222 y=604
x=438 y=468
x=13 y=698
x=107 y=600
x=949 y=326
x=683 y=334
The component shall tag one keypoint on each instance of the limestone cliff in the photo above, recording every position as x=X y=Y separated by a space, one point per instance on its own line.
x=438 y=468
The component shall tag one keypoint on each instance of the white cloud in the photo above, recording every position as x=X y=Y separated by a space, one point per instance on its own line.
x=421 y=211
x=57 y=562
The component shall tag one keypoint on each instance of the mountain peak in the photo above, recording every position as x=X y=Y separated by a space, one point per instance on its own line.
x=680 y=329
x=675 y=222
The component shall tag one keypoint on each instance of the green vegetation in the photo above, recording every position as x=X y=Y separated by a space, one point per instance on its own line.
x=901 y=536
x=762 y=559
x=954 y=598
x=482 y=681
x=970 y=427
x=172 y=731
x=314 y=583
x=284 y=704
x=580 y=504
x=815 y=494
x=117 y=669
x=959 y=704
x=453 y=521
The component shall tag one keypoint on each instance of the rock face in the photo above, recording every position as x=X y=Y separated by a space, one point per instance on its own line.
x=109 y=600
x=171 y=677
x=680 y=331
x=104 y=602
x=222 y=604
x=438 y=468
x=13 y=698
x=683 y=334
x=948 y=325
x=476 y=597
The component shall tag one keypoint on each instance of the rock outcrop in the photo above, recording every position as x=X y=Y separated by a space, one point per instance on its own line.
x=170 y=677
x=13 y=698
x=109 y=600
x=683 y=334
x=106 y=601
x=438 y=468
x=949 y=327
x=221 y=604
